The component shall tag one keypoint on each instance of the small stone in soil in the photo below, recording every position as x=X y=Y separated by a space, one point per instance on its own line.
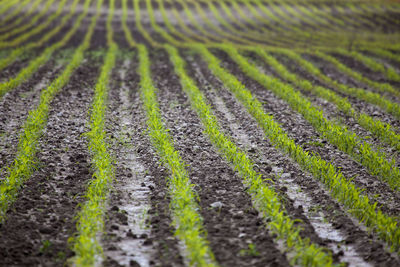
x=217 y=204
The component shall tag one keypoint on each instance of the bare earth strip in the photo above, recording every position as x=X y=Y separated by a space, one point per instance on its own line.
x=347 y=239
x=43 y=216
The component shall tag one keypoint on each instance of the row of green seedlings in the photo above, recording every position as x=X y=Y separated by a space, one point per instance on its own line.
x=362 y=94
x=290 y=22
x=184 y=37
x=382 y=130
x=186 y=219
x=14 y=12
x=186 y=40
x=386 y=54
x=205 y=36
x=341 y=188
x=380 y=87
x=125 y=27
x=245 y=32
x=8 y=5
x=251 y=24
x=305 y=36
x=217 y=35
x=359 y=12
x=24 y=163
x=265 y=199
x=187 y=31
x=389 y=72
x=138 y=21
x=336 y=134
x=32 y=30
x=90 y=219
x=204 y=33
x=156 y=27
x=335 y=38
x=249 y=33
x=235 y=35
x=20 y=18
x=34 y=64
x=17 y=52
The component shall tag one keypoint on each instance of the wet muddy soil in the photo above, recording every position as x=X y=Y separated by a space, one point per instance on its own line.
x=365 y=249
x=231 y=222
x=40 y=222
x=305 y=135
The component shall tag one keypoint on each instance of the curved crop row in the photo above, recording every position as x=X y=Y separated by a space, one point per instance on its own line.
x=380 y=87
x=14 y=12
x=264 y=198
x=15 y=53
x=187 y=30
x=90 y=219
x=24 y=27
x=21 y=18
x=24 y=163
x=139 y=25
x=171 y=27
x=383 y=53
x=369 y=97
x=125 y=27
x=206 y=34
x=338 y=135
x=8 y=5
x=186 y=219
x=34 y=64
x=216 y=28
x=389 y=72
x=157 y=28
x=343 y=190
x=377 y=127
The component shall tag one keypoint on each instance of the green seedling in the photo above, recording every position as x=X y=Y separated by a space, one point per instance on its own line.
x=250 y=251
x=46 y=244
x=341 y=188
x=265 y=199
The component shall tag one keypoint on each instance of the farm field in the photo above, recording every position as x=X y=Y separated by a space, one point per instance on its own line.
x=199 y=133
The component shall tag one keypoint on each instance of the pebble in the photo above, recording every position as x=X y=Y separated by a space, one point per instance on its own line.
x=217 y=204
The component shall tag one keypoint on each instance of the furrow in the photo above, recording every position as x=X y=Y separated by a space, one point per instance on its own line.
x=43 y=215
x=324 y=213
x=305 y=199
x=335 y=106
x=346 y=141
x=263 y=196
x=35 y=63
x=340 y=188
x=14 y=111
x=372 y=104
x=129 y=240
x=186 y=220
x=236 y=234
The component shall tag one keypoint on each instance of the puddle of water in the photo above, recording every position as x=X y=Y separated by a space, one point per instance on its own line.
x=135 y=192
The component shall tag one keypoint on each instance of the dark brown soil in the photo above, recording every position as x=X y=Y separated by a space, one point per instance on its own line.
x=236 y=224
x=333 y=73
x=162 y=232
x=14 y=107
x=40 y=222
x=332 y=113
x=305 y=135
x=369 y=248
x=364 y=70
